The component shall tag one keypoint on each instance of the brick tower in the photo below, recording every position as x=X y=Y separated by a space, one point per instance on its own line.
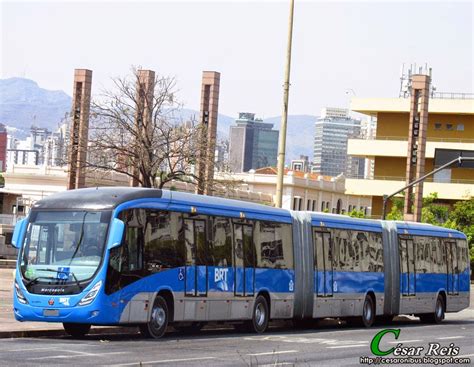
x=79 y=129
x=208 y=120
x=418 y=124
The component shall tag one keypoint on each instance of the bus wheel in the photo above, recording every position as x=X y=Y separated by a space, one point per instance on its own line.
x=260 y=315
x=437 y=316
x=156 y=327
x=368 y=312
x=76 y=330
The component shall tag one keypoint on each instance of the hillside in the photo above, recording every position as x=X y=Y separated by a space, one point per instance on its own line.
x=24 y=103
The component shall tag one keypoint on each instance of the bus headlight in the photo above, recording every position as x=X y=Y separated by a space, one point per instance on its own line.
x=89 y=297
x=19 y=294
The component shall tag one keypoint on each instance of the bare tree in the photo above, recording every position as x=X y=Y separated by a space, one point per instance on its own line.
x=142 y=140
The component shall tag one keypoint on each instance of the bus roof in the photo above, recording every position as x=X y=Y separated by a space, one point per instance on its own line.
x=425 y=229
x=102 y=198
x=96 y=198
x=344 y=221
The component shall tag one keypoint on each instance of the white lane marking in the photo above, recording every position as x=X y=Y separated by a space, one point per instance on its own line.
x=349 y=346
x=139 y=363
x=451 y=337
x=82 y=354
x=27 y=349
x=272 y=353
x=406 y=341
x=465 y=356
x=277 y=364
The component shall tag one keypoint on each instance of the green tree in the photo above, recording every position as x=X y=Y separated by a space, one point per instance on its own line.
x=462 y=219
x=354 y=213
x=431 y=212
x=396 y=213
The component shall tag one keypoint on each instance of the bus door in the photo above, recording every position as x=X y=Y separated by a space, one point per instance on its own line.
x=453 y=268
x=244 y=260
x=407 y=267
x=323 y=249
x=196 y=252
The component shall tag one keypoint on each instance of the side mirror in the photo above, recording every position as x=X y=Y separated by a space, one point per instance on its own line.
x=19 y=232
x=117 y=228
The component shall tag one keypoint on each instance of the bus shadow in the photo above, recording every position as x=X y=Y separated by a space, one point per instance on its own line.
x=213 y=331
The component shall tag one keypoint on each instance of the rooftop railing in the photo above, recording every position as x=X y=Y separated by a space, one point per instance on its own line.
x=450 y=95
x=429 y=179
x=429 y=139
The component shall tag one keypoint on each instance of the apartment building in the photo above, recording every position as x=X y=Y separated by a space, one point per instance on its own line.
x=450 y=134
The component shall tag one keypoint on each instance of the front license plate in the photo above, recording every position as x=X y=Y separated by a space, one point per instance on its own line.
x=50 y=312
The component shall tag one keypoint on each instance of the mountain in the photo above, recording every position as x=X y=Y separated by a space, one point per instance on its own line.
x=299 y=135
x=23 y=104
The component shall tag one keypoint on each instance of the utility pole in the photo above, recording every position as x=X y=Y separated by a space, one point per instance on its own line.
x=284 y=116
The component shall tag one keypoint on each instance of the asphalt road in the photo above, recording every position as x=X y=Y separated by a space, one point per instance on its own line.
x=329 y=343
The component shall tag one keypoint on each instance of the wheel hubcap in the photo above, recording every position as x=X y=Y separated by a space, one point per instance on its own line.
x=368 y=311
x=158 y=317
x=260 y=314
x=439 y=309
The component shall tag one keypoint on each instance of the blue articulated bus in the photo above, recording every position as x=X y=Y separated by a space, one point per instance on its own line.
x=153 y=258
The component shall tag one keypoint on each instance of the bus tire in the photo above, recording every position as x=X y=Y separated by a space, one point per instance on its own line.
x=156 y=327
x=368 y=312
x=76 y=330
x=260 y=316
x=438 y=315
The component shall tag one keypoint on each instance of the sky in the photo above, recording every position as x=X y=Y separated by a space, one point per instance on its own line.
x=340 y=48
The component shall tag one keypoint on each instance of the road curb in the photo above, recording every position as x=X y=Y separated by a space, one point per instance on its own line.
x=59 y=332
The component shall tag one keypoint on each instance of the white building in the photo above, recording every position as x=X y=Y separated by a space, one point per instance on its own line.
x=332 y=131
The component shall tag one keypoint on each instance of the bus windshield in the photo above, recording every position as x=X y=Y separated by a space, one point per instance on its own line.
x=63 y=246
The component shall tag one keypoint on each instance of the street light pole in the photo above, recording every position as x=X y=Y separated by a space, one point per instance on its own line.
x=284 y=117
x=387 y=197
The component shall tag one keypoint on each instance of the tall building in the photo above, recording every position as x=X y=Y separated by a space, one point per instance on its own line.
x=40 y=148
x=333 y=129
x=3 y=147
x=450 y=133
x=253 y=144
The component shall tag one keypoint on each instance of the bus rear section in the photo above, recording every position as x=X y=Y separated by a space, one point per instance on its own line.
x=434 y=271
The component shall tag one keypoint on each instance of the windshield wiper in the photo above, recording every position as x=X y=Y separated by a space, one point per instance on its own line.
x=70 y=272
x=81 y=236
x=35 y=280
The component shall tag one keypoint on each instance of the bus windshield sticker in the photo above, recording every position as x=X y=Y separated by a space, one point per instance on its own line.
x=63 y=273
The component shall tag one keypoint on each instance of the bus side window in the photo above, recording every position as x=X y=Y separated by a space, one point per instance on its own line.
x=360 y=239
x=462 y=252
x=346 y=250
x=221 y=242
x=163 y=248
x=435 y=256
x=336 y=251
x=286 y=235
x=270 y=250
x=376 y=251
x=403 y=256
x=132 y=255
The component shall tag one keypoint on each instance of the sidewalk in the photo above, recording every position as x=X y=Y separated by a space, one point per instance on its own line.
x=10 y=328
